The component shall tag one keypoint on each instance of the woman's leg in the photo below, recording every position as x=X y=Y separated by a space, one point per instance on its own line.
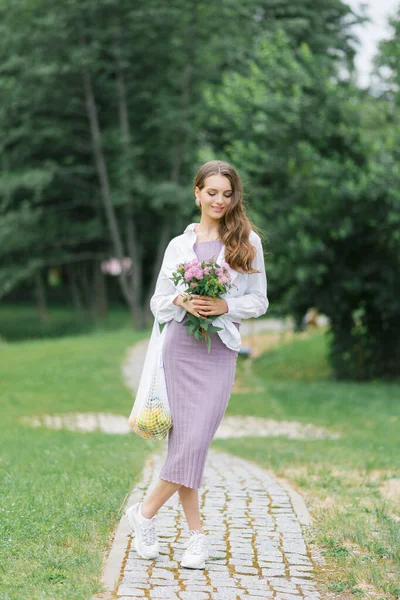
x=190 y=501
x=158 y=496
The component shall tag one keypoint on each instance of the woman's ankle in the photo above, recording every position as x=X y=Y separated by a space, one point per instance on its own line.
x=201 y=530
x=145 y=513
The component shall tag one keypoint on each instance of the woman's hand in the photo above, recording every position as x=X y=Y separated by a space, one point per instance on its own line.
x=209 y=307
x=202 y=306
x=184 y=300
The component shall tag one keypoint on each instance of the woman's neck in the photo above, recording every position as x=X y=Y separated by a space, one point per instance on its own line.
x=209 y=227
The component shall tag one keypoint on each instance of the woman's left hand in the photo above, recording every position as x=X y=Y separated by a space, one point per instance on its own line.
x=208 y=307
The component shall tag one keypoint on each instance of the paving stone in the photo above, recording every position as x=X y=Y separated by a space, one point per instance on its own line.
x=297 y=573
x=244 y=563
x=253 y=581
x=194 y=595
x=162 y=592
x=301 y=568
x=168 y=564
x=228 y=594
x=253 y=597
x=163 y=573
x=282 y=582
x=199 y=588
x=265 y=552
x=163 y=582
x=127 y=590
x=286 y=589
x=223 y=581
x=275 y=564
x=133 y=579
x=134 y=584
x=259 y=593
x=242 y=569
x=297 y=559
x=273 y=572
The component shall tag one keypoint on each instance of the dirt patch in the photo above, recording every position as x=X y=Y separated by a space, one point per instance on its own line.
x=262 y=342
x=391 y=490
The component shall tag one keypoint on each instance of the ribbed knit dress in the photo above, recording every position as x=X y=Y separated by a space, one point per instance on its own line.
x=199 y=386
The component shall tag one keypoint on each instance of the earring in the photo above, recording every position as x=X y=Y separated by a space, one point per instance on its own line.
x=197 y=201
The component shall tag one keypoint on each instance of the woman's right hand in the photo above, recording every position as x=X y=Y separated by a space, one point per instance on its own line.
x=184 y=301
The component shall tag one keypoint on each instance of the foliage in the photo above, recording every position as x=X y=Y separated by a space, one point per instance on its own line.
x=329 y=197
x=108 y=108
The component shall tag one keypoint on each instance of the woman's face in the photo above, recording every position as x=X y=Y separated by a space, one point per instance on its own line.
x=215 y=196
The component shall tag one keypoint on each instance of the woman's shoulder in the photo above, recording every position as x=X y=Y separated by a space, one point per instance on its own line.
x=176 y=241
x=254 y=238
x=182 y=238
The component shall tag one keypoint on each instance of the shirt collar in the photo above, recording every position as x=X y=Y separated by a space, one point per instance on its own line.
x=190 y=227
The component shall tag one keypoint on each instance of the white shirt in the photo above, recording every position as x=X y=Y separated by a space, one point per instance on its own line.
x=247 y=300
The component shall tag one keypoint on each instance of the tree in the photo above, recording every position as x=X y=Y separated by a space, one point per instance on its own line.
x=331 y=211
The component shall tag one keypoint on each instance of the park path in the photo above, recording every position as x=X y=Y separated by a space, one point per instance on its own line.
x=254 y=525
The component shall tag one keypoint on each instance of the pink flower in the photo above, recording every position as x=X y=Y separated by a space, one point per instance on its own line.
x=189 y=275
x=189 y=266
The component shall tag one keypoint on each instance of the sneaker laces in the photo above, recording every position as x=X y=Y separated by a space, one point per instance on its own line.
x=149 y=532
x=197 y=542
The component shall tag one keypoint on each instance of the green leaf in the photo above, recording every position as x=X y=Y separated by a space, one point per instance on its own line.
x=213 y=328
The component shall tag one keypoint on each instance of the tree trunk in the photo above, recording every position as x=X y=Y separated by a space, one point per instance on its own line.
x=75 y=292
x=99 y=302
x=131 y=236
x=102 y=173
x=180 y=140
x=41 y=298
x=86 y=286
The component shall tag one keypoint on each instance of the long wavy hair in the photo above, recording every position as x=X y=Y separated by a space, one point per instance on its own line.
x=235 y=225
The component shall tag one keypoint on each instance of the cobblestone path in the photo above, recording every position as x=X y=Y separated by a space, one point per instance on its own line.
x=257 y=548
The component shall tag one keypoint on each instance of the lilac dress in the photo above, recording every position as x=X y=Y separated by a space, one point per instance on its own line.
x=199 y=386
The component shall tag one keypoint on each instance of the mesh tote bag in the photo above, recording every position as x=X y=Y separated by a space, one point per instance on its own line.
x=151 y=416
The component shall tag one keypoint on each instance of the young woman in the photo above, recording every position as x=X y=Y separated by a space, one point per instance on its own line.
x=199 y=383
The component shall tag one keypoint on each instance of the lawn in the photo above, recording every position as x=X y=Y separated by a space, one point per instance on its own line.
x=61 y=492
x=350 y=483
x=20 y=322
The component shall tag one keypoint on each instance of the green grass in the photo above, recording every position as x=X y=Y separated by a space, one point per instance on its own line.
x=61 y=492
x=354 y=527
x=20 y=322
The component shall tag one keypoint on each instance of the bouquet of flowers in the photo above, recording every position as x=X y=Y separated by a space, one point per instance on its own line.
x=204 y=279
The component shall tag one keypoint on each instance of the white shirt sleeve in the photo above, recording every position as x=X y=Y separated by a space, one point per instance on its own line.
x=254 y=301
x=166 y=291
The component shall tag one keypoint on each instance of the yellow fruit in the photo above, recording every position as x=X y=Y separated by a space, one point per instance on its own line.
x=145 y=419
x=154 y=421
x=164 y=421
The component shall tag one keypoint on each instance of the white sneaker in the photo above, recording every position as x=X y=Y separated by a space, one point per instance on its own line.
x=196 y=553
x=145 y=541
